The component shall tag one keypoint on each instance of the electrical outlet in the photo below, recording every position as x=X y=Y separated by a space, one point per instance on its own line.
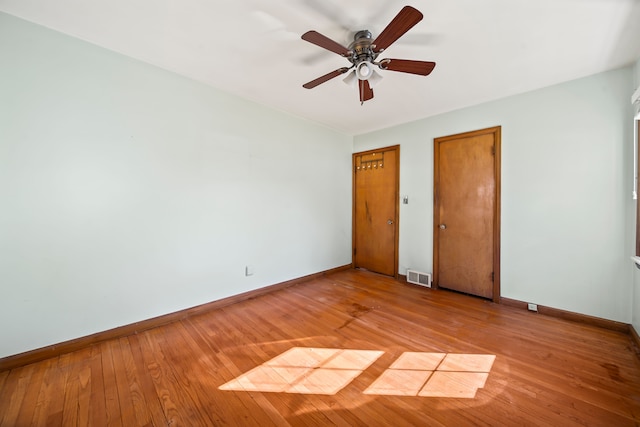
x=532 y=307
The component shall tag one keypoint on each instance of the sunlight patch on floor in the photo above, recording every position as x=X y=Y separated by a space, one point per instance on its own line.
x=328 y=370
x=306 y=371
x=434 y=375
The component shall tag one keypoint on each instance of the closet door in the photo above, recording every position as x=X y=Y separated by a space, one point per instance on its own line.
x=375 y=210
x=467 y=213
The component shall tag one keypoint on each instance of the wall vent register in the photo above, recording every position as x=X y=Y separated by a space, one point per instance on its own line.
x=419 y=278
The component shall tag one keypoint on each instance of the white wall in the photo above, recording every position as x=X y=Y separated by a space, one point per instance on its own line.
x=129 y=192
x=635 y=321
x=566 y=186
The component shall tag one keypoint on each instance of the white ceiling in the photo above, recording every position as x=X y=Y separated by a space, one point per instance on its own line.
x=484 y=49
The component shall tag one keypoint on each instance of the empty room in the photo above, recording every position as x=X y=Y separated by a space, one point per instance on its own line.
x=364 y=213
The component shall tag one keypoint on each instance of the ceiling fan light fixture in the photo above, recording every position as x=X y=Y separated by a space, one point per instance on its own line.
x=375 y=79
x=364 y=70
x=351 y=78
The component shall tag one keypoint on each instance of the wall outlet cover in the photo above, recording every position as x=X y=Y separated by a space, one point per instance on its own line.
x=248 y=270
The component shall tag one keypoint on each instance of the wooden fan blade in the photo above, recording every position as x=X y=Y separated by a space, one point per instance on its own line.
x=423 y=68
x=366 y=93
x=403 y=22
x=326 y=77
x=325 y=42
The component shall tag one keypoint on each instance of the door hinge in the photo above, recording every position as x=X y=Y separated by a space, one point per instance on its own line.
x=493 y=276
x=493 y=150
x=354 y=251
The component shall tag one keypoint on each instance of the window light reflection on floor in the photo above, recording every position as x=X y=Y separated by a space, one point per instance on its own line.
x=307 y=371
x=434 y=375
x=328 y=370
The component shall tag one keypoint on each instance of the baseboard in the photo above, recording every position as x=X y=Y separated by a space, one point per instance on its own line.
x=37 y=355
x=569 y=315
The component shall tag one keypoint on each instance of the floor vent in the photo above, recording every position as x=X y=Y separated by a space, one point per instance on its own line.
x=418 y=278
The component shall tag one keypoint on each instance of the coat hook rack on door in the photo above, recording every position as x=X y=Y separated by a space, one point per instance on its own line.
x=370 y=161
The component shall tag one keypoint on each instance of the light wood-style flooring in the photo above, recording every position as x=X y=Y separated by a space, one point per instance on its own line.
x=350 y=349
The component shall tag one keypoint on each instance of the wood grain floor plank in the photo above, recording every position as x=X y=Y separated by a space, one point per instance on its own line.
x=126 y=399
x=129 y=391
x=48 y=387
x=152 y=401
x=30 y=399
x=3 y=380
x=58 y=390
x=111 y=398
x=76 y=393
x=97 y=404
x=18 y=386
x=164 y=382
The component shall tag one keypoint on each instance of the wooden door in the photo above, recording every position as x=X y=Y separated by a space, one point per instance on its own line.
x=467 y=213
x=375 y=210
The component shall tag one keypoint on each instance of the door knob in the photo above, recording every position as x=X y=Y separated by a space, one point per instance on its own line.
x=389 y=221
x=443 y=226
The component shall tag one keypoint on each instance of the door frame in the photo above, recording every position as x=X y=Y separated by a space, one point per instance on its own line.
x=396 y=218
x=496 y=131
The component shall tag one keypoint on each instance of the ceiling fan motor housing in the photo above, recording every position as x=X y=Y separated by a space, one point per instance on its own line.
x=362 y=54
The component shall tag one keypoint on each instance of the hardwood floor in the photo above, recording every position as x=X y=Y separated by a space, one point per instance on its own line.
x=546 y=371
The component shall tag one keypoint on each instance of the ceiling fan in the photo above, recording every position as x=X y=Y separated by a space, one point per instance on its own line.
x=364 y=50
